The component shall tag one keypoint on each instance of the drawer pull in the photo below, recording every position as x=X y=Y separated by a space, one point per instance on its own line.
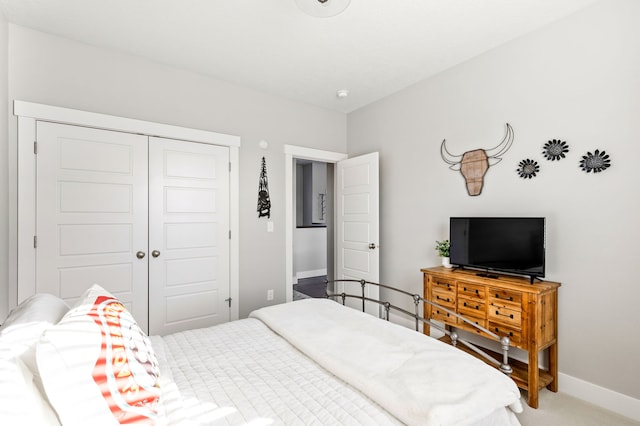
x=476 y=307
x=441 y=298
x=510 y=333
x=510 y=298
x=504 y=315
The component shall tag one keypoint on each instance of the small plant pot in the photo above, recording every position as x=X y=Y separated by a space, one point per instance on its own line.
x=446 y=262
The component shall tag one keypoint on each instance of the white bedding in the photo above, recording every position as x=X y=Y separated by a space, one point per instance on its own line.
x=418 y=379
x=243 y=373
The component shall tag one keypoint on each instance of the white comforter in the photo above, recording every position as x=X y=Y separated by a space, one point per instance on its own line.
x=418 y=379
x=242 y=373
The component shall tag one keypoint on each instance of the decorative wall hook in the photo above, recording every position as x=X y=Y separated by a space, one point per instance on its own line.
x=264 y=202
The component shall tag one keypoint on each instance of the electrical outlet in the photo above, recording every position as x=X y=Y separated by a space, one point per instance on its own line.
x=269 y=226
x=269 y=294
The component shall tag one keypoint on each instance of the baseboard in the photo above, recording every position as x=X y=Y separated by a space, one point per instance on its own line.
x=600 y=396
x=308 y=274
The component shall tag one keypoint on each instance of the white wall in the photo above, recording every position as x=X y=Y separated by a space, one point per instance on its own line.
x=576 y=80
x=4 y=171
x=56 y=71
x=310 y=252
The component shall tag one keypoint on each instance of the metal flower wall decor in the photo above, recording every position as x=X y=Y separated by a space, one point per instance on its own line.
x=596 y=162
x=528 y=168
x=555 y=149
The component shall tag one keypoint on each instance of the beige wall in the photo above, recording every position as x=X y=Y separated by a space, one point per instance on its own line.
x=576 y=80
x=4 y=170
x=56 y=71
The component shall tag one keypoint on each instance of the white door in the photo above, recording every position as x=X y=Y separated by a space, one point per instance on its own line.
x=357 y=229
x=91 y=200
x=188 y=235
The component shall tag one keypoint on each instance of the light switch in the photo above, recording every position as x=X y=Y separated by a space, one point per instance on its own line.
x=269 y=226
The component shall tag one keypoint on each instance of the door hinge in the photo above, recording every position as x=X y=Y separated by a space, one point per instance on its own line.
x=35 y=147
x=229 y=233
x=35 y=241
x=228 y=300
x=229 y=166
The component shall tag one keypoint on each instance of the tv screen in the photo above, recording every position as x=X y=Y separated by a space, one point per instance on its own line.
x=507 y=244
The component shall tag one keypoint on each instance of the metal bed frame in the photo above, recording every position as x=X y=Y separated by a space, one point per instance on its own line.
x=502 y=365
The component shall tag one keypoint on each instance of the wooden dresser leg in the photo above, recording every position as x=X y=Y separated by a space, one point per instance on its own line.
x=553 y=367
x=534 y=378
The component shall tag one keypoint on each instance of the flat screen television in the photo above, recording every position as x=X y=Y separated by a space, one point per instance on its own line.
x=513 y=245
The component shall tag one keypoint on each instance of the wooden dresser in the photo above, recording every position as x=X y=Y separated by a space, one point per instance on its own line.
x=507 y=305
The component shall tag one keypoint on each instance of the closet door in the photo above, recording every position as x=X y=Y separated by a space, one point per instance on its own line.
x=92 y=214
x=188 y=235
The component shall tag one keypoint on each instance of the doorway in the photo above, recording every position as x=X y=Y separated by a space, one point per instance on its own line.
x=313 y=196
x=293 y=154
x=352 y=227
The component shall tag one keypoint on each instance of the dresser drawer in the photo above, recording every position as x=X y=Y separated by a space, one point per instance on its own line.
x=505 y=298
x=513 y=333
x=443 y=284
x=440 y=315
x=471 y=290
x=478 y=320
x=471 y=307
x=507 y=316
x=444 y=298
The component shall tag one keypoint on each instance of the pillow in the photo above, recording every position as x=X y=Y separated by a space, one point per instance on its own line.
x=97 y=366
x=27 y=321
x=22 y=402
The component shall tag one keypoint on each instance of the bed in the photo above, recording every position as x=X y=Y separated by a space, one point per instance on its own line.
x=312 y=361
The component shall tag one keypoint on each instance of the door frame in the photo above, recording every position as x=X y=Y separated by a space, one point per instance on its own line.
x=22 y=201
x=292 y=152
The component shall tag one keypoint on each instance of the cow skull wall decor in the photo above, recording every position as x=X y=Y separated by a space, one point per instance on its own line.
x=474 y=164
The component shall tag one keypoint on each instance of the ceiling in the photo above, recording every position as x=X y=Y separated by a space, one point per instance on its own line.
x=373 y=49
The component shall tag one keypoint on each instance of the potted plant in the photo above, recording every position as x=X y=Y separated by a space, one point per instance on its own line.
x=442 y=247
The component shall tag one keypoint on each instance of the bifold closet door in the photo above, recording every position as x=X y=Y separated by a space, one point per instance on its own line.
x=92 y=214
x=188 y=235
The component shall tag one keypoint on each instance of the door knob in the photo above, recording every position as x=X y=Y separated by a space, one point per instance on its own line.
x=372 y=246
x=140 y=254
x=155 y=253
